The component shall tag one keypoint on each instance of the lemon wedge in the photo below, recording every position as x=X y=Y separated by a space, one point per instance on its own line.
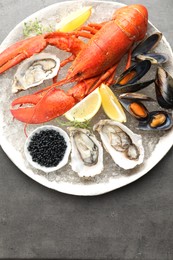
x=111 y=105
x=86 y=108
x=74 y=20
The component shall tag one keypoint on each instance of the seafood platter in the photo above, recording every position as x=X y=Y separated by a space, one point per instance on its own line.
x=86 y=110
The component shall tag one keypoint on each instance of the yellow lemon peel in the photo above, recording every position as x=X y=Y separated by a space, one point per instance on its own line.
x=74 y=20
x=111 y=105
x=86 y=108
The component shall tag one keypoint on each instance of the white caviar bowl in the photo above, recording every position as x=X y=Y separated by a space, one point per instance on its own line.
x=65 y=159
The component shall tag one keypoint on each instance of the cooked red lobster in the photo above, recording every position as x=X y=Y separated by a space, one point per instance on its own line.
x=94 y=62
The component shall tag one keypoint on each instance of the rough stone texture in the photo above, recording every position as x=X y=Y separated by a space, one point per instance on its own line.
x=134 y=222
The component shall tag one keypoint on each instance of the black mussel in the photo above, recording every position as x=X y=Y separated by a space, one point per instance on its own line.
x=134 y=73
x=164 y=88
x=147 y=45
x=136 y=96
x=135 y=108
x=141 y=52
x=131 y=87
x=157 y=120
x=155 y=58
x=127 y=81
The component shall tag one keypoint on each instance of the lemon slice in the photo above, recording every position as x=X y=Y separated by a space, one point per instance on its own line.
x=111 y=105
x=74 y=20
x=86 y=108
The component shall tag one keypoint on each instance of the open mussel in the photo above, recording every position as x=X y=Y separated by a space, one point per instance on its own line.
x=132 y=87
x=141 y=52
x=134 y=73
x=164 y=88
x=157 y=120
x=135 y=108
x=132 y=103
x=147 y=44
x=127 y=81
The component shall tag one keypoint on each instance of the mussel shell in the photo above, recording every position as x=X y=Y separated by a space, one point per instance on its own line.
x=131 y=87
x=134 y=73
x=155 y=58
x=135 y=108
x=136 y=96
x=147 y=45
x=162 y=125
x=164 y=88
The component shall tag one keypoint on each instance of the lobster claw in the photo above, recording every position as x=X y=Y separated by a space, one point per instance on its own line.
x=20 y=51
x=26 y=48
x=43 y=106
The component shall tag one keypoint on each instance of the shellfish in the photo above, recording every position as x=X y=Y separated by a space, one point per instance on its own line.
x=87 y=153
x=33 y=71
x=164 y=88
x=135 y=108
x=124 y=146
x=128 y=80
x=157 y=120
x=141 y=52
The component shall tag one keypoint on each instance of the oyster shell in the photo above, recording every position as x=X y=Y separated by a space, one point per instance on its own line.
x=124 y=146
x=33 y=71
x=87 y=153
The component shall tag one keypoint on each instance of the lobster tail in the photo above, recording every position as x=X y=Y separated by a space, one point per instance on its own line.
x=132 y=20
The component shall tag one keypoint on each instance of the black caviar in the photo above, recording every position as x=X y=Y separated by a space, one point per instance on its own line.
x=47 y=148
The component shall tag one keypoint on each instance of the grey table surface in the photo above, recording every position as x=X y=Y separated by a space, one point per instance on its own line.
x=134 y=222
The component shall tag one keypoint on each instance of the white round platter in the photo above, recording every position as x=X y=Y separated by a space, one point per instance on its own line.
x=12 y=136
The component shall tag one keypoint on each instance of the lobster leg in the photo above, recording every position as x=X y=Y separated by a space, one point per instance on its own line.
x=65 y=41
x=111 y=79
x=63 y=63
x=88 y=28
x=103 y=78
x=81 y=90
x=66 y=61
x=96 y=26
x=128 y=64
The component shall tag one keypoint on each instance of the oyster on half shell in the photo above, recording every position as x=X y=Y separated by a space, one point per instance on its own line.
x=87 y=153
x=33 y=71
x=124 y=146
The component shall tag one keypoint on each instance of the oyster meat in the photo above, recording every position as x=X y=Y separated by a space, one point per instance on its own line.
x=124 y=146
x=87 y=153
x=33 y=71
